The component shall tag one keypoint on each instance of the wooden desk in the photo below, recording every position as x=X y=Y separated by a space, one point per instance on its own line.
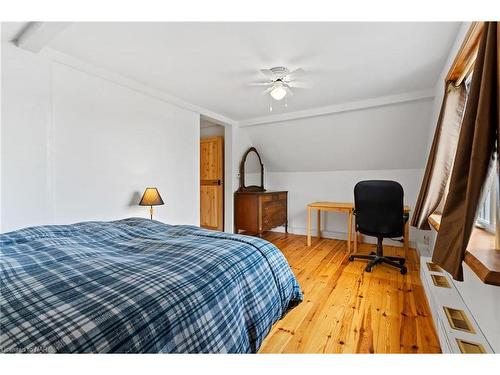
x=347 y=207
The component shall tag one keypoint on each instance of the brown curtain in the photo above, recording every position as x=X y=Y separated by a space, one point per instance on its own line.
x=441 y=156
x=478 y=135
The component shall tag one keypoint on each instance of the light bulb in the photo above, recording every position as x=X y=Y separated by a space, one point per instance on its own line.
x=278 y=92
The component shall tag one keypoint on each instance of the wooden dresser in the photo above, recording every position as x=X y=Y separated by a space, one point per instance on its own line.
x=260 y=211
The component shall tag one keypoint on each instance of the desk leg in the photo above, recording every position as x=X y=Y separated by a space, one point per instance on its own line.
x=406 y=238
x=308 y=226
x=355 y=234
x=319 y=223
x=349 y=233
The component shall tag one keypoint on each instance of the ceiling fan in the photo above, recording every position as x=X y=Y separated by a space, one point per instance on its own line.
x=281 y=81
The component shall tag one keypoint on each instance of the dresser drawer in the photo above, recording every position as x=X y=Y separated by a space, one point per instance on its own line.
x=271 y=197
x=273 y=214
x=256 y=212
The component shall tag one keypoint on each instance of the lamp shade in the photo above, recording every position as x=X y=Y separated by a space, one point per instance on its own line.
x=151 y=197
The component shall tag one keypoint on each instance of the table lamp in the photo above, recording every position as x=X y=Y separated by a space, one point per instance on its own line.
x=151 y=197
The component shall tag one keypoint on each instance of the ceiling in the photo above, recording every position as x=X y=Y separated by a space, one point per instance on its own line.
x=10 y=30
x=210 y=64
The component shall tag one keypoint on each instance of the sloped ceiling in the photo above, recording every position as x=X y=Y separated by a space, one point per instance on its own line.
x=210 y=64
x=388 y=137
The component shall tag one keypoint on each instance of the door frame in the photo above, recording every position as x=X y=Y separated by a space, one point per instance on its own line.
x=221 y=196
x=230 y=174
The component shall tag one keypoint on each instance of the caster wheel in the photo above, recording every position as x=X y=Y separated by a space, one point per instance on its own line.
x=402 y=261
x=351 y=258
x=368 y=269
x=403 y=271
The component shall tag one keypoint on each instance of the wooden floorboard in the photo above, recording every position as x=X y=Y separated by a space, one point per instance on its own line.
x=346 y=310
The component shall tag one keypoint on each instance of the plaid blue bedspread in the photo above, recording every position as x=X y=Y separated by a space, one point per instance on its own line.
x=139 y=286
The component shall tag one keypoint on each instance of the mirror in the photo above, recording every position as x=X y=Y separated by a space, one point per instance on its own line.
x=251 y=172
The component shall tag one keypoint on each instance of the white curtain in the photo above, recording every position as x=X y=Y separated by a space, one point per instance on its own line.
x=443 y=152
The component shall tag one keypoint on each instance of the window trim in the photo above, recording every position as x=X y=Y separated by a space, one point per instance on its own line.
x=489 y=224
x=466 y=57
x=481 y=256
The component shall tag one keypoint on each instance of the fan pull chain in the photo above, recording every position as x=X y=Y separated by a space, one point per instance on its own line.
x=270 y=103
x=286 y=101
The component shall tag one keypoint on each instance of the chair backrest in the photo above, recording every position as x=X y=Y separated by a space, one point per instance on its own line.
x=379 y=208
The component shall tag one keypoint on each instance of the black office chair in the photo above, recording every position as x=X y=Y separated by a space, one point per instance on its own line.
x=379 y=212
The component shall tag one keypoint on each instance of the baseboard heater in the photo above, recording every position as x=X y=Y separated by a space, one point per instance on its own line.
x=456 y=327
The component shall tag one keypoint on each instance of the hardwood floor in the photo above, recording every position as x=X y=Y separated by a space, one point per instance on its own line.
x=346 y=310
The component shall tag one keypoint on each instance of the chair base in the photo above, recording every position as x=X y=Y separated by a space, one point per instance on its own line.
x=377 y=258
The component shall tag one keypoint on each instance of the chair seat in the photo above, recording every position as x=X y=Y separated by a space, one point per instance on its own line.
x=383 y=235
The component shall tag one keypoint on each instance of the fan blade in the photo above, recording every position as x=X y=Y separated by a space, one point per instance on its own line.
x=268 y=90
x=288 y=91
x=300 y=84
x=268 y=73
x=295 y=74
x=259 y=83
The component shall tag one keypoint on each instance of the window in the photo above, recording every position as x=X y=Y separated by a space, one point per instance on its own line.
x=486 y=217
x=486 y=214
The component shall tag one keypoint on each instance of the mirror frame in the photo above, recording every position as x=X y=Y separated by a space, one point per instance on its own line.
x=242 y=173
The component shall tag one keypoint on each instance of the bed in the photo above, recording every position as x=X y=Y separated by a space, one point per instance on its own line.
x=139 y=286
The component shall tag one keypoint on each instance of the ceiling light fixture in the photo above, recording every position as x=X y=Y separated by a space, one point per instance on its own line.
x=279 y=82
x=278 y=92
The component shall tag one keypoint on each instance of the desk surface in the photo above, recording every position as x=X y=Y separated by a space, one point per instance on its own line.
x=326 y=205
x=339 y=205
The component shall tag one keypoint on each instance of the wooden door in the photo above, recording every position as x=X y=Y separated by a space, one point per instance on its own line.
x=212 y=183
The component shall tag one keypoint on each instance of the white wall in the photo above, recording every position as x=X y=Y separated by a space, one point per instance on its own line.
x=241 y=143
x=307 y=187
x=111 y=139
x=211 y=130
x=79 y=147
x=25 y=116
x=322 y=158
